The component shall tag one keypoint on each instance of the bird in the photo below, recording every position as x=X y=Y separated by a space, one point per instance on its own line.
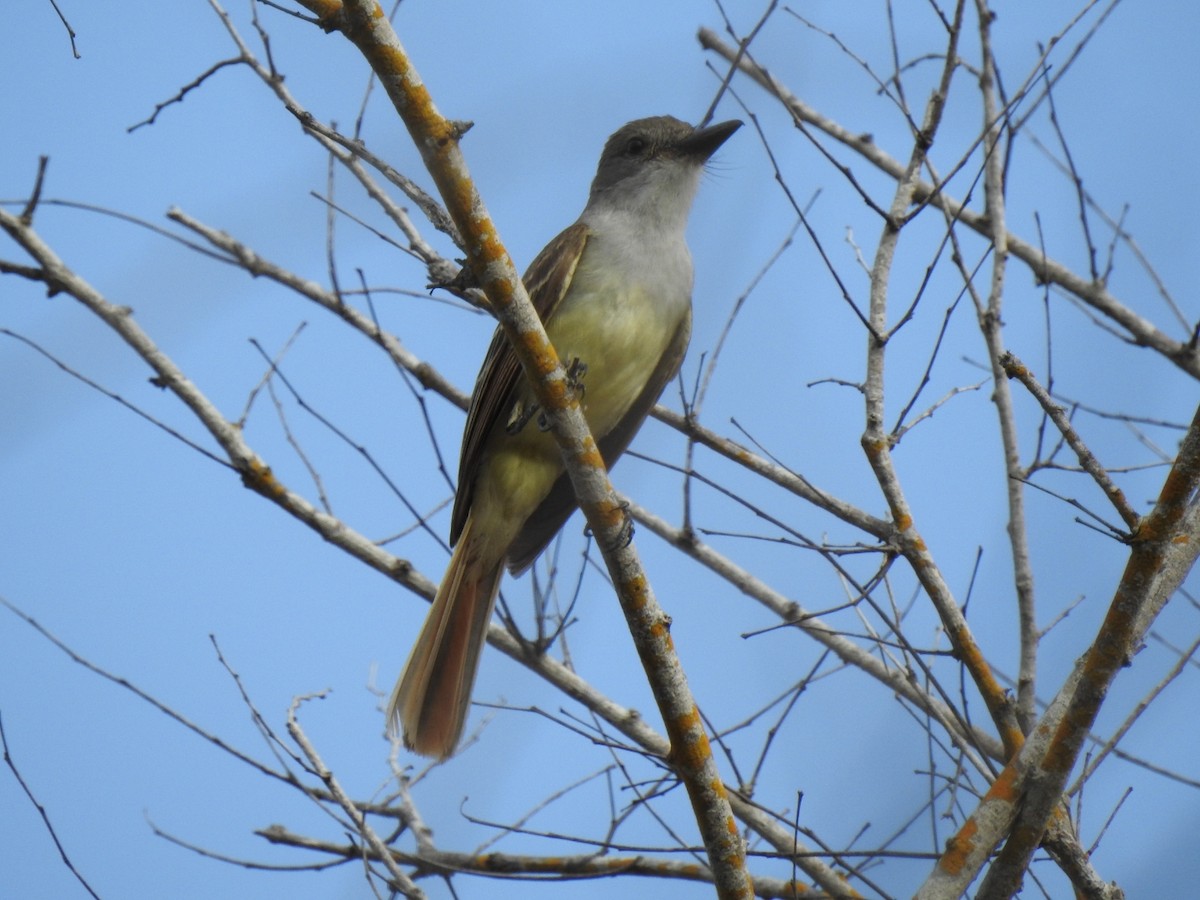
x=613 y=291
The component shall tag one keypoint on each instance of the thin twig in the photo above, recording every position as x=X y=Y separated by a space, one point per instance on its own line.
x=1014 y=368
x=12 y=767
x=400 y=879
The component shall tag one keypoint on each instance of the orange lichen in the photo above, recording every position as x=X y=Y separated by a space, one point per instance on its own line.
x=258 y=476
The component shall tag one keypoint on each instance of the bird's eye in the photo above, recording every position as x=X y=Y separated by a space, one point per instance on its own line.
x=636 y=146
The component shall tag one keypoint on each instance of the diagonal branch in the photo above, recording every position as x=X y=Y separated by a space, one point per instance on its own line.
x=400 y=879
x=1163 y=551
x=437 y=139
x=255 y=472
x=1014 y=368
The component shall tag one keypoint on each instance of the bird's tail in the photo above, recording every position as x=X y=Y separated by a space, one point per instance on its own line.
x=433 y=693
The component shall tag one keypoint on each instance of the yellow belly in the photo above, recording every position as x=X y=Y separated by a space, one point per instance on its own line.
x=620 y=337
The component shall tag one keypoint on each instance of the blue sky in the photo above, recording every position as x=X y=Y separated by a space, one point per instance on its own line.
x=133 y=549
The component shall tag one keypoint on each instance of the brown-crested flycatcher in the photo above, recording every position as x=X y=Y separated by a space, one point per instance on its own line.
x=614 y=292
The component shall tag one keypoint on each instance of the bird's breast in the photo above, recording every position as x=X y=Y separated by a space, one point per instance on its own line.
x=620 y=321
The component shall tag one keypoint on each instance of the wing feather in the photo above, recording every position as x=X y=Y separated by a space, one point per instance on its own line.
x=546 y=280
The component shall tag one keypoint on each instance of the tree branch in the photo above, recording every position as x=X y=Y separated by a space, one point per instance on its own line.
x=437 y=140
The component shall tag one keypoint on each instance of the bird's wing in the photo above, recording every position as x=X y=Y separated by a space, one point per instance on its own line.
x=547 y=281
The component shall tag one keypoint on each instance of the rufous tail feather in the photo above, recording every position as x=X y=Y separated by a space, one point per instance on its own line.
x=430 y=702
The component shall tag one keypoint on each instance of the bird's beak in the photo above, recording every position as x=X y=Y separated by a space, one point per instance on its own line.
x=703 y=142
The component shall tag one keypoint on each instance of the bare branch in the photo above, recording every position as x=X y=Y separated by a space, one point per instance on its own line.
x=400 y=880
x=12 y=767
x=256 y=474
x=1014 y=368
